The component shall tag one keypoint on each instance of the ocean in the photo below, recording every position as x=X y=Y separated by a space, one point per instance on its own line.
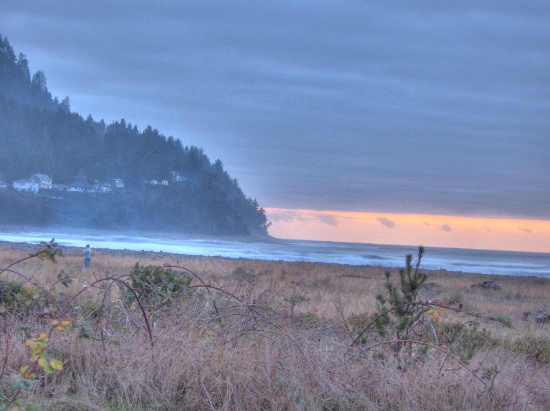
x=451 y=259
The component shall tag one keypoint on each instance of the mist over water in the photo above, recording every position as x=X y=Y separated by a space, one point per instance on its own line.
x=451 y=259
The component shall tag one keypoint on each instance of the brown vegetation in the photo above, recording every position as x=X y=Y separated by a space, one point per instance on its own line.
x=259 y=335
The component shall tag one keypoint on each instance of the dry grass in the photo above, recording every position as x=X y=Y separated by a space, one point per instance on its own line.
x=280 y=363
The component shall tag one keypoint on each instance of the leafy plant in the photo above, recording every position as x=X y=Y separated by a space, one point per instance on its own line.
x=463 y=339
x=156 y=286
x=537 y=348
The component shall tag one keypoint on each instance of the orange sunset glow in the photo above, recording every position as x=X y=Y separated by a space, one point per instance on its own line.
x=411 y=229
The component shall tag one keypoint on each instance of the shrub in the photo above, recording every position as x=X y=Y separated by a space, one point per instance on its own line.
x=156 y=286
x=537 y=348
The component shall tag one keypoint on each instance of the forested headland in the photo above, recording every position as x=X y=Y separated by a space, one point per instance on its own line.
x=40 y=134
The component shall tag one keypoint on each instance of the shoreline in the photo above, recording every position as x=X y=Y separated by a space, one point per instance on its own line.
x=72 y=251
x=138 y=233
x=140 y=243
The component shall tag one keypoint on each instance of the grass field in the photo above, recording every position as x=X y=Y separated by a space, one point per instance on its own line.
x=259 y=335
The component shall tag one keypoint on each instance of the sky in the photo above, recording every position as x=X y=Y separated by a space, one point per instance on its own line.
x=373 y=121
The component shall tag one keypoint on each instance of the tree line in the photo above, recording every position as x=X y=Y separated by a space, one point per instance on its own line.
x=40 y=134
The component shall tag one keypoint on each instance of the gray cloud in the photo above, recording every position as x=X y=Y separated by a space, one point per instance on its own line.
x=446 y=227
x=368 y=106
x=284 y=216
x=386 y=222
x=328 y=219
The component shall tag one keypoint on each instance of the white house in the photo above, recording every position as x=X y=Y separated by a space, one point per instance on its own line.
x=176 y=176
x=106 y=187
x=118 y=183
x=25 y=185
x=164 y=182
x=43 y=181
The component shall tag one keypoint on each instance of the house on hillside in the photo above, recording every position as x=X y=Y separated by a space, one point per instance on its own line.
x=164 y=182
x=106 y=188
x=44 y=182
x=117 y=183
x=3 y=185
x=177 y=176
x=25 y=185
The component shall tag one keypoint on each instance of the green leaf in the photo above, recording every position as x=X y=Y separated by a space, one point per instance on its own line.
x=56 y=365
x=281 y=382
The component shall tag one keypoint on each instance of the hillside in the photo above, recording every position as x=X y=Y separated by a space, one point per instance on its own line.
x=40 y=135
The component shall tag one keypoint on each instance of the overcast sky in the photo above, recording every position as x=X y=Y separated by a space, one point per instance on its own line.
x=438 y=107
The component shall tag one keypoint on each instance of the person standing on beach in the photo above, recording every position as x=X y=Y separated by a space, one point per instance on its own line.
x=87 y=256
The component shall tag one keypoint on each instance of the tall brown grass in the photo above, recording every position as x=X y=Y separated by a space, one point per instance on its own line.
x=228 y=357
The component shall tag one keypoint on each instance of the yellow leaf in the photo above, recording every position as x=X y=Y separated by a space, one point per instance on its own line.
x=59 y=328
x=43 y=336
x=436 y=316
x=55 y=322
x=430 y=311
x=34 y=358
x=23 y=369
x=65 y=323
x=30 y=344
x=56 y=365
x=42 y=362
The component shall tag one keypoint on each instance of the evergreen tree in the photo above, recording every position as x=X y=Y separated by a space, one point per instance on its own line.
x=40 y=134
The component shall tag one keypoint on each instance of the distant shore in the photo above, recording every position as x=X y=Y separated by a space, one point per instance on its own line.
x=77 y=251
x=138 y=233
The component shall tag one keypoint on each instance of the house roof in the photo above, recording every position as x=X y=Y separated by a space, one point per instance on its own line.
x=42 y=177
